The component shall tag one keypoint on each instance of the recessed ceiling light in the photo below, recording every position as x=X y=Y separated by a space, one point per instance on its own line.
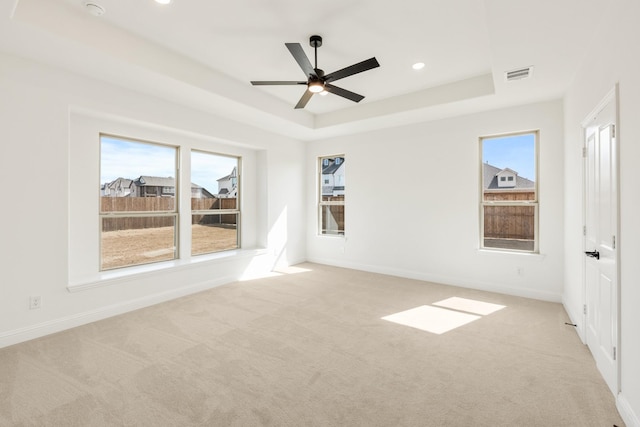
x=94 y=8
x=163 y=1
x=418 y=66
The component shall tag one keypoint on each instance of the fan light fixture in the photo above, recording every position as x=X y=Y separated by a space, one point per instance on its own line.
x=316 y=87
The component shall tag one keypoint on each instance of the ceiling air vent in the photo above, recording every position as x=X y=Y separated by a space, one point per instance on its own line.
x=519 y=74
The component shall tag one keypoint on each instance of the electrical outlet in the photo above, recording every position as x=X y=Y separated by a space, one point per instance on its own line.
x=35 y=302
x=520 y=271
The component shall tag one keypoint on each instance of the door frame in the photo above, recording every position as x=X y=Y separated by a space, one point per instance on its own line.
x=611 y=97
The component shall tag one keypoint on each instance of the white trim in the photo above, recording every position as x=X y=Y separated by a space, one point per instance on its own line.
x=445 y=280
x=123 y=275
x=630 y=418
x=610 y=96
x=63 y=323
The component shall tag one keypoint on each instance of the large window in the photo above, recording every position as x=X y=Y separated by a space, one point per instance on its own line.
x=509 y=192
x=138 y=209
x=214 y=202
x=332 y=190
x=140 y=189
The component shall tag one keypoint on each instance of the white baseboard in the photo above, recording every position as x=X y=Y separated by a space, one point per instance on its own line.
x=445 y=280
x=630 y=418
x=56 y=325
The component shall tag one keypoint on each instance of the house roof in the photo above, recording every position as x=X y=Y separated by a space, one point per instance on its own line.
x=155 y=181
x=490 y=181
x=159 y=181
x=333 y=166
x=231 y=175
x=123 y=182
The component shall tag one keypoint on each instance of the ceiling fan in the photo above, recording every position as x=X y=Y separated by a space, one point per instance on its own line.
x=317 y=80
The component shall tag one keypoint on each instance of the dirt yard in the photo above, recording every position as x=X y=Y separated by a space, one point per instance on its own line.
x=142 y=246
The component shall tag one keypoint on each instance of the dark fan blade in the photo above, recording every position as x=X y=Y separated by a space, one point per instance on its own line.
x=276 y=83
x=301 y=58
x=343 y=92
x=306 y=96
x=351 y=70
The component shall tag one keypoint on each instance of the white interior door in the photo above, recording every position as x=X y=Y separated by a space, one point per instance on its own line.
x=601 y=231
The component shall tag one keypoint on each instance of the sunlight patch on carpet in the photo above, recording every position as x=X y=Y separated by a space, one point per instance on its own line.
x=431 y=319
x=469 y=305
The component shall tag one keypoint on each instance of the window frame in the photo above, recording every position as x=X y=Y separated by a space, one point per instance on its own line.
x=236 y=211
x=323 y=204
x=180 y=208
x=535 y=203
x=174 y=213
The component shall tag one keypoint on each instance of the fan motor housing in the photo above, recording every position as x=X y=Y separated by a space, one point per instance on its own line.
x=315 y=41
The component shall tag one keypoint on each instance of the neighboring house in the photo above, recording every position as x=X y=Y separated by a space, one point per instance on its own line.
x=496 y=180
x=198 y=192
x=333 y=177
x=119 y=187
x=149 y=186
x=228 y=185
x=153 y=186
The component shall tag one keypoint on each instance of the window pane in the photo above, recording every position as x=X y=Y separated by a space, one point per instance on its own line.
x=136 y=176
x=213 y=177
x=214 y=233
x=214 y=186
x=333 y=177
x=137 y=240
x=509 y=227
x=332 y=193
x=508 y=167
x=332 y=219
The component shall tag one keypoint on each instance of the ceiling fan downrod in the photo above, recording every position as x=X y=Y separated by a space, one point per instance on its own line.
x=315 y=42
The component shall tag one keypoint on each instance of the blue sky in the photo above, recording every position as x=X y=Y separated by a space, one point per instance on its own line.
x=128 y=159
x=513 y=152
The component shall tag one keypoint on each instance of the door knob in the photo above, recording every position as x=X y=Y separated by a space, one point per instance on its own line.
x=593 y=254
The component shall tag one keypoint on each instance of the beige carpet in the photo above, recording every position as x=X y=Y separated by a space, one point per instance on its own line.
x=309 y=348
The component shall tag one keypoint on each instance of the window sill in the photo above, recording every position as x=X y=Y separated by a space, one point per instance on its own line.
x=485 y=251
x=136 y=272
x=332 y=236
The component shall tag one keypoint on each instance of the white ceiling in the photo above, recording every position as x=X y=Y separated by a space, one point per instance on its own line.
x=203 y=53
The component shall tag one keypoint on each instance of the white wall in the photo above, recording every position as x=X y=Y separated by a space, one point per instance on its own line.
x=424 y=223
x=45 y=113
x=613 y=58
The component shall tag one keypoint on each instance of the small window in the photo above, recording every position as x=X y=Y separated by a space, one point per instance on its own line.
x=331 y=198
x=215 y=209
x=138 y=226
x=509 y=213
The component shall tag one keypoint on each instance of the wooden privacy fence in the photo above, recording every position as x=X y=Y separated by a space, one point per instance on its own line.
x=333 y=215
x=158 y=204
x=509 y=222
x=504 y=195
